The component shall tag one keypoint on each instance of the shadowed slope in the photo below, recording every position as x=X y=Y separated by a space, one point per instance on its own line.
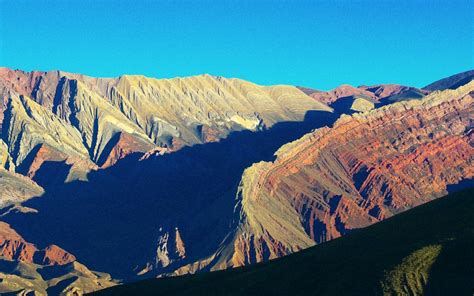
x=451 y=82
x=27 y=270
x=121 y=214
x=426 y=250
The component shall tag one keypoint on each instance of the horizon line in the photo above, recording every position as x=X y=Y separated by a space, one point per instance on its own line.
x=227 y=77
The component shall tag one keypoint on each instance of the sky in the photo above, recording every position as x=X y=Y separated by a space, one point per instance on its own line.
x=318 y=44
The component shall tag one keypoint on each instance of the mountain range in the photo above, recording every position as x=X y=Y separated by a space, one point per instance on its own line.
x=137 y=177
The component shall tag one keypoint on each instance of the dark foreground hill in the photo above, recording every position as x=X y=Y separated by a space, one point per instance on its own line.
x=427 y=250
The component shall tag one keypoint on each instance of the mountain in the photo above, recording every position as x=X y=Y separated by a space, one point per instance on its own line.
x=25 y=269
x=76 y=149
x=367 y=167
x=348 y=99
x=88 y=120
x=451 y=82
x=139 y=177
x=424 y=251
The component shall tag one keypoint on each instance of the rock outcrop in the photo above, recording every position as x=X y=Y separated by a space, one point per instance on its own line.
x=169 y=248
x=367 y=167
x=16 y=188
x=14 y=247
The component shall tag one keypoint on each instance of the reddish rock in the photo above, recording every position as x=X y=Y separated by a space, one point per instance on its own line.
x=54 y=255
x=366 y=168
x=14 y=247
x=124 y=145
x=376 y=93
x=342 y=91
x=43 y=153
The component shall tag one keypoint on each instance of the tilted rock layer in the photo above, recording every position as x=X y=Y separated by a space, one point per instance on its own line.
x=163 y=211
x=367 y=167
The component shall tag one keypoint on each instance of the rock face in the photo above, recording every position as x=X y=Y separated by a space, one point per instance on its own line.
x=16 y=188
x=14 y=247
x=58 y=130
x=140 y=177
x=170 y=248
x=103 y=120
x=20 y=278
x=26 y=269
x=367 y=167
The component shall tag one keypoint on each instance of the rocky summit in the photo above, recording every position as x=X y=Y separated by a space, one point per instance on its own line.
x=137 y=177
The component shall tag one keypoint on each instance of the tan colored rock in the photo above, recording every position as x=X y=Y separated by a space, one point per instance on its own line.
x=6 y=161
x=105 y=119
x=28 y=124
x=16 y=188
x=362 y=105
x=366 y=168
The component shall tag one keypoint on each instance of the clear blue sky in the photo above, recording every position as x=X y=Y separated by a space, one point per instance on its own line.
x=318 y=44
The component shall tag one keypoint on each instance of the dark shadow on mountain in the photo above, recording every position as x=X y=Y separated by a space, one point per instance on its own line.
x=410 y=94
x=360 y=176
x=356 y=264
x=52 y=174
x=61 y=286
x=111 y=223
x=463 y=184
x=453 y=270
x=26 y=163
x=108 y=148
x=343 y=105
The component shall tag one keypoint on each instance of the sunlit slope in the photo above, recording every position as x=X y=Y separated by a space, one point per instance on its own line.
x=15 y=188
x=426 y=250
x=101 y=120
x=451 y=82
x=21 y=278
x=204 y=108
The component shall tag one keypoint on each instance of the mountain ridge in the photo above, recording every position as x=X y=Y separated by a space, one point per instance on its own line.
x=205 y=173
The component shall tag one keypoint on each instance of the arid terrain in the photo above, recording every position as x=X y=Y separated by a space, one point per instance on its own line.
x=112 y=180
